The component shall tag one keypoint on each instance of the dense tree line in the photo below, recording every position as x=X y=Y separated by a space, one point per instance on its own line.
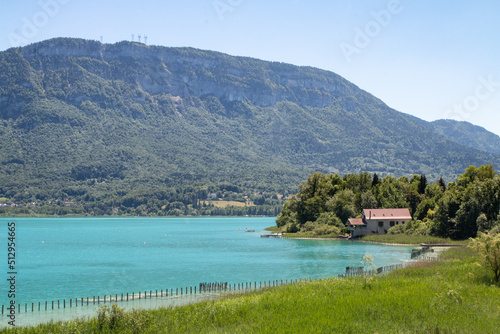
x=194 y=200
x=458 y=210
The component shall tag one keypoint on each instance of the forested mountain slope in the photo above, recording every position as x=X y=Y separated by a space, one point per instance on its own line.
x=468 y=134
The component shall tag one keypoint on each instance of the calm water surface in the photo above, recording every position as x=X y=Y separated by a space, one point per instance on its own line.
x=63 y=258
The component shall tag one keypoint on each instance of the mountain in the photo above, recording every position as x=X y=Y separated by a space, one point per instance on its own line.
x=93 y=122
x=467 y=134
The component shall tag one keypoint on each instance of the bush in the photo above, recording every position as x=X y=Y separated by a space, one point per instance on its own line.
x=326 y=229
x=292 y=228
x=309 y=226
x=488 y=248
x=398 y=229
x=413 y=227
x=495 y=229
x=110 y=317
x=331 y=219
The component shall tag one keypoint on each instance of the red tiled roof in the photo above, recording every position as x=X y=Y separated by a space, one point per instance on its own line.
x=356 y=221
x=387 y=213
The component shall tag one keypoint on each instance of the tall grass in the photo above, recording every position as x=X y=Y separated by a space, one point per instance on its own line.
x=454 y=295
x=409 y=239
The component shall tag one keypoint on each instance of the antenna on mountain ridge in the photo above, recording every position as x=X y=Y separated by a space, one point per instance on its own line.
x=145 y=39
x=139 y=38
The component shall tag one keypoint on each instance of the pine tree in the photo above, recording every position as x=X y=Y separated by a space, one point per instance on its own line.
x=422 y=185
x=375 y=180
x=442 y=184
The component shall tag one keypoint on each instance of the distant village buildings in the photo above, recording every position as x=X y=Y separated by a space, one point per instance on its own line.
x=377 y=221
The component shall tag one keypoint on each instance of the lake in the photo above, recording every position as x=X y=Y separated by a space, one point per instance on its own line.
x=63 y=258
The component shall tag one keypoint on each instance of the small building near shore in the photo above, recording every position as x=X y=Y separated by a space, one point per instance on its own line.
x=377 y=221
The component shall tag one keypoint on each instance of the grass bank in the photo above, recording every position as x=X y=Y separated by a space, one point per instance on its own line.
x=454 y=295
x=409 y=239
x=301 y=235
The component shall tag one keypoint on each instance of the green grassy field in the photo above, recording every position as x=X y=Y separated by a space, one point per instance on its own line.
x=454 y=295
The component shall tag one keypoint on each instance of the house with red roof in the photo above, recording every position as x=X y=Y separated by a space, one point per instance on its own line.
x=377 y=221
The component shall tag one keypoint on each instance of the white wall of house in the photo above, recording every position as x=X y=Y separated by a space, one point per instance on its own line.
x=378 y=221
x=381 y=226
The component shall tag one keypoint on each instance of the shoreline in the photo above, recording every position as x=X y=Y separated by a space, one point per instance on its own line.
x=311 y=238
x=372 y=242
x=123 y=216
x=440 y=245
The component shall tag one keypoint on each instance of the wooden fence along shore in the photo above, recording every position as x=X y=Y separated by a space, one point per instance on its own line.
x=212 y=287
x=359 y=271
x=202 y=288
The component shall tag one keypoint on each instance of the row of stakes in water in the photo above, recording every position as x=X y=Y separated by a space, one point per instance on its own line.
x=203 y=287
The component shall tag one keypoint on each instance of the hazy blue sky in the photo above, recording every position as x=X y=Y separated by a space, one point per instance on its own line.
x=431 y=59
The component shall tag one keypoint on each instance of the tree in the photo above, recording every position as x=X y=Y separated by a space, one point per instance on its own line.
x=488 y=248
x=472 y=174
x=441 y=184
x=445 y=215
x=342 y=205
x=422 y=184
x=466 y=219
x=375 y=180
x=368 y=200
x=483 y=225
x=423 y=208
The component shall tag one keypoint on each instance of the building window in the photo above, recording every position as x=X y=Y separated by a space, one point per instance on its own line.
x=380 y=224
x=391 y=223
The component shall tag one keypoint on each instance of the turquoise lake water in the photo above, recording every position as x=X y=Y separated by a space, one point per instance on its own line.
x=63 y=258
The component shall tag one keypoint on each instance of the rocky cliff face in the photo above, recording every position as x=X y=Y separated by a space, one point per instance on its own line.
x=183 y=71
